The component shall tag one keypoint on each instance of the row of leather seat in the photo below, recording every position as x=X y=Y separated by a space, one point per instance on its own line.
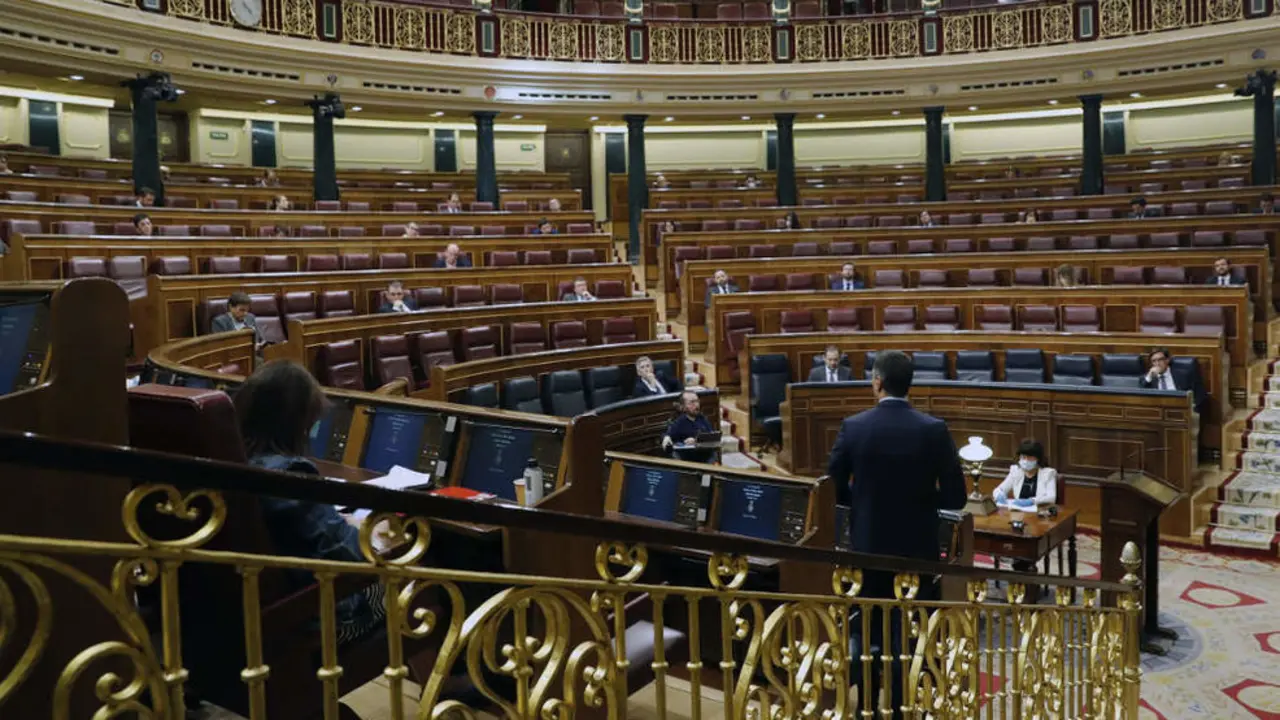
x=137 y=265
x=1177 y=209
x=1125 y=241
x=980 y=277
x=274 y=310
x=395 y=178
x=179 y=201
x=411 y=357
x=771 y=373
x=88 y=227
x=564 y=393
x=1192 y=320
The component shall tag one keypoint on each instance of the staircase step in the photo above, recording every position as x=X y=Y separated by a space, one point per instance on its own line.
x=1243 y=539
x=1266 y=442
x=1264 y=421
x=1257 y=490
x=1245 y=517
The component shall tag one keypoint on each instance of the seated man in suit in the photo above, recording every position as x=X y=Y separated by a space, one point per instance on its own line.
x=453 y=204
x=553 y=205
x=831 y=370
x=1138 y=208
x=926 y=220
x=145 y=197
x=848 y=279
x=142 y=224
x=452 y=258
x=411 y=230
x=688 y=425
x=1222 y=274
x=238 y=317
x=579 y=293
x=1266 y=205
x=720 y=286
x=648 y=381
x=396 y=299
x=1160 y=377
x=545 y=227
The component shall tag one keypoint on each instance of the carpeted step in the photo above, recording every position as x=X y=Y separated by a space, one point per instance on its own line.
x=1264 y=421
x=1239 y=539
x=1261 y=463
x=1269 y=401
x=1245 y=517
x=1265 y=442
x=1257 y=490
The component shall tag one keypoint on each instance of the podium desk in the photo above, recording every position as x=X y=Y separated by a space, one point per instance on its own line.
x=994 y=535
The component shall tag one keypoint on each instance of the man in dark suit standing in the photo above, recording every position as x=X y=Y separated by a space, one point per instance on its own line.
x=905 y=469
x=720 y=285
x=831 y=369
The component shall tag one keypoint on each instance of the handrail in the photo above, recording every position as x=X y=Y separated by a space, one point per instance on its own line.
x=36 y=451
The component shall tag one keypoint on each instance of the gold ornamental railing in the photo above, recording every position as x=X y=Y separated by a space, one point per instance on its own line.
x=520 y=646
x=441 y=28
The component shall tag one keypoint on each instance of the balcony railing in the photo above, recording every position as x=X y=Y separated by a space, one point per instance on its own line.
x=445 y=29
x=533 y=647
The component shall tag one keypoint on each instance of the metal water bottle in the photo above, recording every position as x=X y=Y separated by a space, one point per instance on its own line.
x=532 y=483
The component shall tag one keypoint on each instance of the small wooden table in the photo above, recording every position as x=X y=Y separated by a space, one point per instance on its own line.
x=994 y=535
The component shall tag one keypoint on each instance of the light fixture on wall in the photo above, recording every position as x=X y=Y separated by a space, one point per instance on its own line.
x=821 y=116
x=972 y=108
x=1135 y=95
x=1053 y=102
x=1221 y=86
x=269 y=101
x=438 y=113
x=746 y=117
x=76 y=78
x=180 y=91
x=669 y=118
x=593 y=118
x=356 y=108
x=896 y=112
x=517 y=117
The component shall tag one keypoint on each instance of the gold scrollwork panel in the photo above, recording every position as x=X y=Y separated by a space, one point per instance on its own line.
x=298 y=17
x=357 y=22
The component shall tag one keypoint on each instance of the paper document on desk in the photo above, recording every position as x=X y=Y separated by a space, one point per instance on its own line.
x=401 y=478
x=1027 y=505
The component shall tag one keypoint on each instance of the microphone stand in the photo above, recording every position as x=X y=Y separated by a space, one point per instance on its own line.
x=1151 y=564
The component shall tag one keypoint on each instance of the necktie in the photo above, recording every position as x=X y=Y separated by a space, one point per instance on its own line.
x=831 y=375
x=848 y=285
x=1165 y=383
x=1222 y=280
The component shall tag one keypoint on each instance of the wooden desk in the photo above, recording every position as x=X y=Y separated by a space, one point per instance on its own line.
x=994 y=535
x=637 y=426
x=359 y=475
x=45 y=256
x=1087 y=432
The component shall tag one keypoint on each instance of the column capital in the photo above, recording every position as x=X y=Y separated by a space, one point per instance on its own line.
x=1090 y=99
x=935 y=110
x=784 y=118
x=635 y=120
x=1259 y=82
x=484 y=115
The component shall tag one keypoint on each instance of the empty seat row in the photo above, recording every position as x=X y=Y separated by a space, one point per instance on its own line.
x=1191 y=320
x=413 y=356
x=88 y=227
x=984 y=277
x=564 y=393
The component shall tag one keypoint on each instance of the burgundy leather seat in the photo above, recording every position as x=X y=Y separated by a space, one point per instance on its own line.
x=1219 y=207
x=313 y=231
x=25 y=196
x=356 y=261
x=527 y=337
x=1250 y=238
x=942 y=318
x=737 y=326
x=843 y=247
x=215 y=231
x=919 y=246
x=493 y=230
x=889 y=278
x=456 y=230
x=516 y=206
x=796 y=321
x=505 y=294
x=328 y=205
x=957 y=245
x=73 y=199
x=800 y=281
x=1037 y=318
x=1207 y=238
x=762 y=251
x=171 y=265
x=80 y=267
x=805 y=249
x=1082 y=242
x=994 y=317
x=899 y=318
x=1158 y=320
x=1122 y=242
x=339 y=365
x=568 y=334
x=1028 y=276
x=357 y=206
x=982 y=277
x=468 y=295
x=299 y=305
x=482 y=206
x=882 y=247
x=1128 y=276
x=1080 y=318
x=610 y=289
x=336 y=303
x=127 y=267
x=321 y=263
x=931 y=278
x=224 y=265
x=960 y=219
x=1204 y=320
x=74 y=227
x=266 y=308
x=389 y=357
x=1002 y=244
x=225 y=204
x=431 y=349
x=351 y=231
x=430 y=297
x=275 y=264
x=582 y=256
x=1041 y=244
x=842 y=320
x=479 y=343
x=579 y=228
x=762 y=283
x=620 y=330
x=393 y=261
x=1168 y=275
x=503 y=258
x=1161 y=240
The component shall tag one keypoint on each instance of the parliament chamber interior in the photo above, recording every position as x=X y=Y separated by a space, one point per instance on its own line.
x=546 y=360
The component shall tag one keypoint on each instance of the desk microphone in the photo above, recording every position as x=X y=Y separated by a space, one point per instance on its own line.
x=1140 y=451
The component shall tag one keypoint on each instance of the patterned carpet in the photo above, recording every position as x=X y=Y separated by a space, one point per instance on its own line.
x=1226 y=611
x=1247 y=513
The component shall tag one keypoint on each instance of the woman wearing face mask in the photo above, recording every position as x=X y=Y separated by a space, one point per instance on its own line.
x=1030 y=479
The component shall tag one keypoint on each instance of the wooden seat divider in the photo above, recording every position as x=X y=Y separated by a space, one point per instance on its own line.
x=448 y=381
x=45 y=256
x=1119 y=309
x=168 y=310
x=306 y=336
x=800 y=349
x=1254 y=262
x=1087 y=432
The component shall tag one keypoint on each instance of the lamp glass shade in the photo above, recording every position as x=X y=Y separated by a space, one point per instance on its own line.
x=976 y=451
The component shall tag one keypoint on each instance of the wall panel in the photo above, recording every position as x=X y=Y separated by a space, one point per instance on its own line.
x=13 y=120
x=1032 y=136
x=860 y=146
x=220 y=140
x=1210 y=124
x=84 y=131
x=513 y=151
x=713 y=148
